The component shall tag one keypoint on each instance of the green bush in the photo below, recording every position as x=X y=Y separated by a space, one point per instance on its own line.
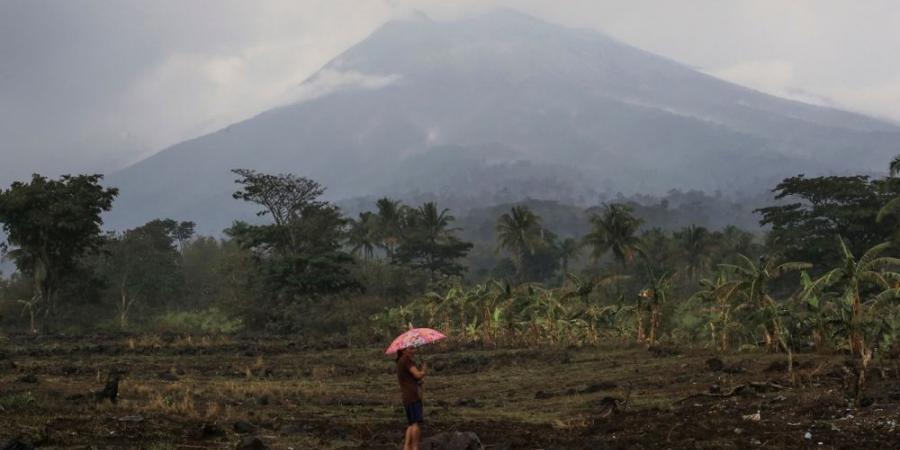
x=210 y=320
x=17 y=400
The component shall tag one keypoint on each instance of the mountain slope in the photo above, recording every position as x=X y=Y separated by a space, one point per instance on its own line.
x=597 y=114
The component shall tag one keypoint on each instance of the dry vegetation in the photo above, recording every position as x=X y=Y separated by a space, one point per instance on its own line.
x=180 y=392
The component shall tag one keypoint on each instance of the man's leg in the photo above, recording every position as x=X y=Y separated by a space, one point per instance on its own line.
x=407 y=442
x=415 y=434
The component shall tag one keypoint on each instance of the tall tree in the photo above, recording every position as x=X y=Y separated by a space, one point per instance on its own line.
x=694 y=244
x=820 y=208
x=895 y=166
x=567 y=250
x=51 y=224
x=362 y=235
x=519 y=232
x=300 y=254
x=390 y=220
x=283 y=197
x=428 y=242
x=143 y=265
x=614 y=230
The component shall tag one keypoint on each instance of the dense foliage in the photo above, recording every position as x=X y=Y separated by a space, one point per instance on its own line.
x=823 y=277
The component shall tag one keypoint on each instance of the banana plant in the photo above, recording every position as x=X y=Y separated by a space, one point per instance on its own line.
x=819 y=314
x=656 y=296
x=720 y=293
x=752 y=282
x=848 y=280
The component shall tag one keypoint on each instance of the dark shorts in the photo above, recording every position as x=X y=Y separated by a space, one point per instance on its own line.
x=415 y=413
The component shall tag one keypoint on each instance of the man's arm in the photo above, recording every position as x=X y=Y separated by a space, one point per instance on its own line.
x=416 y=372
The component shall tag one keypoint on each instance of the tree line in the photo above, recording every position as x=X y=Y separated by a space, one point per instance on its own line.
x=305 y=267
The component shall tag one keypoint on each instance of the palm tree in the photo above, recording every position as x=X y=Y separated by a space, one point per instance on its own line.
x=752 y=282
x=430 y=239
x=694 y=243
x=362 y=235
x=434 y=223
x=390 y=218
x=567 y=249
x=519 y=232
x=735 y=240
x=615 y=230
x=895 y=166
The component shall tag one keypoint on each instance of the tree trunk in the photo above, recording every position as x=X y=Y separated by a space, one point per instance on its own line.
x=865 y=357
x=123 y=306
x=654 y=324
x=857 y=343
x=725 y=329
x=640 y=326
x=32 y=329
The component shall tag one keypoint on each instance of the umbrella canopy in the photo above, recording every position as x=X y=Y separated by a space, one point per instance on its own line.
x=415 y=337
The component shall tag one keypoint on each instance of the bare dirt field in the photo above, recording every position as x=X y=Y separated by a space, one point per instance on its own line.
x=181 y=392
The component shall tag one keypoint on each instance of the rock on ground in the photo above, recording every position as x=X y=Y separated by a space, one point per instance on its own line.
x=16 y=444
x=251 y=443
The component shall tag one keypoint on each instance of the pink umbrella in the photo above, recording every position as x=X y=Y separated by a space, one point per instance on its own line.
x=415 y=337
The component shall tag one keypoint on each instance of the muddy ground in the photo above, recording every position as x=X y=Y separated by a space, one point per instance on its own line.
x=193 y=393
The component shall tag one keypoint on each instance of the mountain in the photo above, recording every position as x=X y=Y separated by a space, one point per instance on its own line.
x=502 y=105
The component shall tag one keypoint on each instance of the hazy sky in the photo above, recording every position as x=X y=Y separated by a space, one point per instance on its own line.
x=93 y=85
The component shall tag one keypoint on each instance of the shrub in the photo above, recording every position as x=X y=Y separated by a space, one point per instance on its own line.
x=210 y=320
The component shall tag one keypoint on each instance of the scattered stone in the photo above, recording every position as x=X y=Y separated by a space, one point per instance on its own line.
x=30 y=378
x=607 y=406
x=541 y=395
x=244 y=427
x=15 y=444
x=453 y=441
x=206 y=431
x=715 y=364
x=111 y=390
x=251 y=443
x=168 y=376
x=807 y=435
